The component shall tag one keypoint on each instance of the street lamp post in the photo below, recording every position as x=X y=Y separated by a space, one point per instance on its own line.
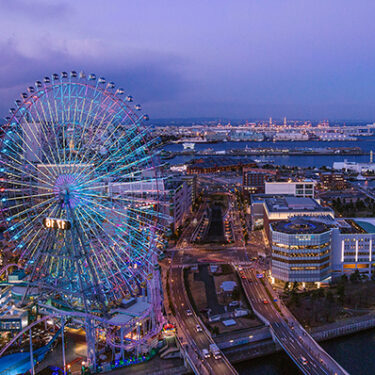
x=31 y=353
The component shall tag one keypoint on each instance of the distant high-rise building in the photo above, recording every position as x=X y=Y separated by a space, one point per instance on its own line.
x=270 y=121
x=284 y=121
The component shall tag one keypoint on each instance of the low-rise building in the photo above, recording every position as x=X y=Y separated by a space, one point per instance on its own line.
x=332 y=181
x=303 y=188
x=350 y=166
x=218 y=164
x=254 y=179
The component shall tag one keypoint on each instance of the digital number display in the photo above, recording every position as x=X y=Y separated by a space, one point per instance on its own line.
x=51 y=223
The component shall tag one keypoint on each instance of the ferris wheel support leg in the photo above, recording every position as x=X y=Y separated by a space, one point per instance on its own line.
x=31 y=353
x=139 y=339
x=90 y=340
x=122 y=342
x=63 y=343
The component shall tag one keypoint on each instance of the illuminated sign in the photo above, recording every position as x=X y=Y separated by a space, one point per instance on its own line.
x=52 y=223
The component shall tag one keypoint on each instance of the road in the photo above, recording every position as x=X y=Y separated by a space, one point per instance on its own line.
x=299 y=345
x=286 y=330
x=194 y=342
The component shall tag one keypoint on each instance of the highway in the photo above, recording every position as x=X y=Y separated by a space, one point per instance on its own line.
x=194 y=342
x=299 y=345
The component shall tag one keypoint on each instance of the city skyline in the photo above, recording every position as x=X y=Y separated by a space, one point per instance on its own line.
x=187 y=187
x=248 y=60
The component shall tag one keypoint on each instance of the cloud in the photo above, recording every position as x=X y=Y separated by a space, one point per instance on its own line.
x=36 y=10
x=152 y=78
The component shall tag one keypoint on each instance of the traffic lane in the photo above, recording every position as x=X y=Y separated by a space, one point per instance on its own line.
x=283 y=333
x=196 y=340
x=294 y=348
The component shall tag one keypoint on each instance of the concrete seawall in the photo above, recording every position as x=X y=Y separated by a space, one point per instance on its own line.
x=266 y=346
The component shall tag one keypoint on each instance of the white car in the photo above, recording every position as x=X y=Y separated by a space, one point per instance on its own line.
x=206 y=353
x=198 y=328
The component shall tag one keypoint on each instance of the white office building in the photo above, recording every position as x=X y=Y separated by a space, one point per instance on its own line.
x=297 y=188
x=353 y=246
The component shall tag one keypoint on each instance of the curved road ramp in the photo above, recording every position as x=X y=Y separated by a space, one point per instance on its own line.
x=309 y=356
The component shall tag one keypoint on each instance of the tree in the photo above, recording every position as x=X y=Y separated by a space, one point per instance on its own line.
x=330 y=298
x=344 y=279
x=295 y=300
x=341 y=293
x=295 y=286
x=355 y=276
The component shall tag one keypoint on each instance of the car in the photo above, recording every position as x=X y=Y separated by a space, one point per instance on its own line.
x=206 y=353
x=265 y=301
x=198 y=328
x=303 y=360
x=188 y=312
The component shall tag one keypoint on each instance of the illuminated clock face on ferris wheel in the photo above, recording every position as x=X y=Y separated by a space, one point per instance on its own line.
x=79 y=190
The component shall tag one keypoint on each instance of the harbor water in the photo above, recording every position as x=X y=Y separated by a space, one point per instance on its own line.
x=355 y=353
x=365 y=143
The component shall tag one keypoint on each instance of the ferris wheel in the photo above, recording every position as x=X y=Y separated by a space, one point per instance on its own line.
x=80 y=190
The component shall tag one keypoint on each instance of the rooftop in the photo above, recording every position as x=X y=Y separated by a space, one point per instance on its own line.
x=354 y=226
x=294 y=204
x=299 y=226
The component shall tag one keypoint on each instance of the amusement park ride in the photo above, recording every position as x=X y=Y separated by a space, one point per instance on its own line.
x=82 y=211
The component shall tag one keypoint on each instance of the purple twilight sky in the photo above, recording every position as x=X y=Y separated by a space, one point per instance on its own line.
x=216 y=58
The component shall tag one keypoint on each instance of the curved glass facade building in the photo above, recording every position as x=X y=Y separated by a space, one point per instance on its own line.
x=300 y=250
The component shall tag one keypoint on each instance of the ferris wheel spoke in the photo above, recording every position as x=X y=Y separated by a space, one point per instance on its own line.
x=83 y=132
x=23 y=140
x=117 y=170
x=114 y=226
x=40 y=102
x=119 y=258
x=15 y=182
x=71 y=143
x=25 y=211
x=125 y=197
x=29 y=196
x=95 y=133
x=93 y=252
x=111 y=210
x=63 y=120
x=22 y=172
x=105 y=250
x=28 y=244
x=43 y=132
x=139 y=151
x=124 y=214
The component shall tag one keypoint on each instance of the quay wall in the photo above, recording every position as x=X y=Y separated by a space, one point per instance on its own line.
x=266 y=346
